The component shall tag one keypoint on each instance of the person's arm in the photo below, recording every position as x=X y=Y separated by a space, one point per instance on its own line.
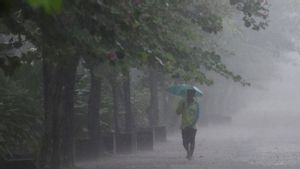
x=196 y=115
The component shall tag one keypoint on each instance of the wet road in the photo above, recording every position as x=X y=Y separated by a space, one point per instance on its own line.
x=217 y=148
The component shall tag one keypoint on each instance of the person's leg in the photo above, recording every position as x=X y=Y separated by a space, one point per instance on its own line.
x=189 y=136
x=185 y=140
x=192 y=141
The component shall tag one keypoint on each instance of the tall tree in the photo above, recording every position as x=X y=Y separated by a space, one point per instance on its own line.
x=93 y=109
x=154 y=94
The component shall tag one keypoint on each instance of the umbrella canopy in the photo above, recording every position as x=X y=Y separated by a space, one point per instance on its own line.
x=181 y=89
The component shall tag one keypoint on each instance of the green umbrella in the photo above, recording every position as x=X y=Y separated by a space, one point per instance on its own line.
x=180 y=90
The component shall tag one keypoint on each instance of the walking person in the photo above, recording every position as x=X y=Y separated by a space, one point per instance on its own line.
x=188 y=108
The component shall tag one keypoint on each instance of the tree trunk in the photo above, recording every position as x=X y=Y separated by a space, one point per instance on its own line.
x=165 y=100
x=93 y=114
x=53 y=86
x=115 y=89
x=55 y=131
x=58 y=84
x=43 y=156
x=154 y=110
x=68 y=116
x=129 y=119
x=94 y=106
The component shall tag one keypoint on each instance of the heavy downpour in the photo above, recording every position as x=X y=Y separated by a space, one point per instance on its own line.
x=149 y=84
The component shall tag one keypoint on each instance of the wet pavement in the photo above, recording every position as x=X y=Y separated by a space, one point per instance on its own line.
x=216 y=148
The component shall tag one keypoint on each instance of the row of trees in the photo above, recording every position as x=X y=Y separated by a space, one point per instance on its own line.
x=63 y=42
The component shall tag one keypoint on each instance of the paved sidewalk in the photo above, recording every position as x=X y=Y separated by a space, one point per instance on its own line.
x=216 y=148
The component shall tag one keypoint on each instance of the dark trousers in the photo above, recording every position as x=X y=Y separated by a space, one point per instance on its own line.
x=188 y=139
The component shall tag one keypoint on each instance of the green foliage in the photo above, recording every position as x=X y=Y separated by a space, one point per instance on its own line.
x=168 y=33
x=49 y=6
x=144 y=31
x=20 y=114
x=255 y=12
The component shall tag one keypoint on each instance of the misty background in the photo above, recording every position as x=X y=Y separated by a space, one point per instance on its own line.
x=269 y=60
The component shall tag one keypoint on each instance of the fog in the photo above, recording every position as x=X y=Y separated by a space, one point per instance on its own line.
x=277 y=104
x=269 y=60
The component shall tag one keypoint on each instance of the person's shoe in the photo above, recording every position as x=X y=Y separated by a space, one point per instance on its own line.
x=190 y=157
